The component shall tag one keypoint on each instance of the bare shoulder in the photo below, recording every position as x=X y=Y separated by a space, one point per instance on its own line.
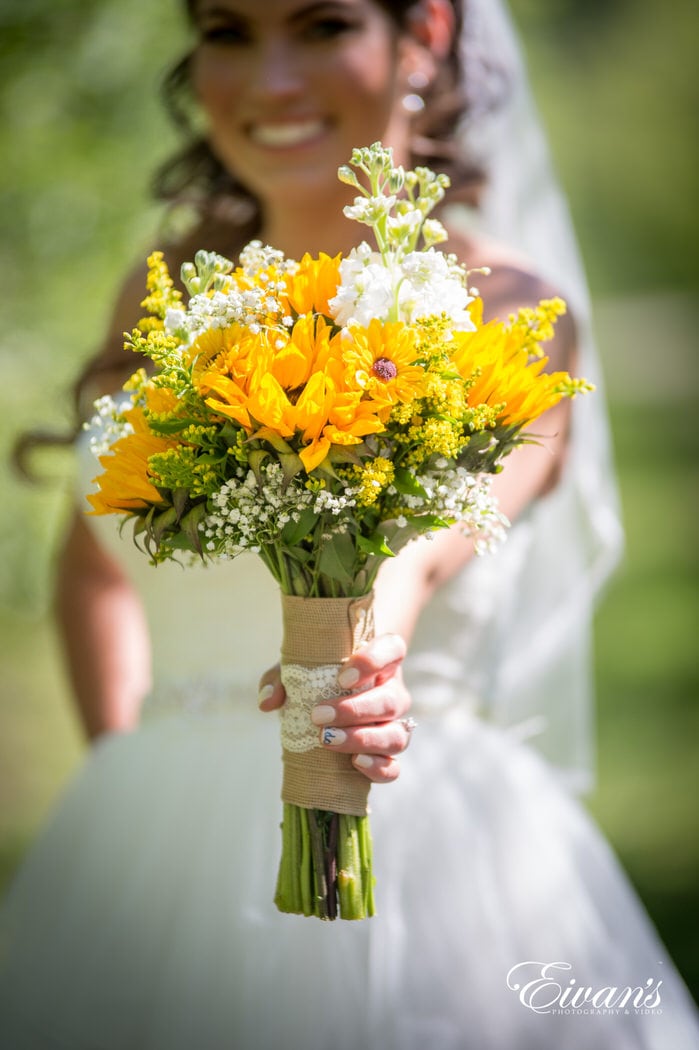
x=221 y=238
x=511 y=284
x=112 y=364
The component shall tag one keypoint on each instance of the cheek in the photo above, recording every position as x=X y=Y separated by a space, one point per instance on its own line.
x=371 y=92
x=216 y=84
x=372 y=70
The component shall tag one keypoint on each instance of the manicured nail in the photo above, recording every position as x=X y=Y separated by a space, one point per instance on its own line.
x=334 y=736
x=363 y=761
x=386 y=650
x=348 y=677
x=323 y=714
x=265 y=693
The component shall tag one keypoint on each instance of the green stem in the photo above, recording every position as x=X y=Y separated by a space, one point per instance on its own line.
x=349 y=870
x=322 y=910
x=283 y=574
x=285 y=896
x=306 y=867
x=366 y=851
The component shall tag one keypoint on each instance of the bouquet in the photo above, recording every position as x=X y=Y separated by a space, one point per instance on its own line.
x=323 y=413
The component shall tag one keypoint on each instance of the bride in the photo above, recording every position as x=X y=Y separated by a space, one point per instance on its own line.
x=143 y=917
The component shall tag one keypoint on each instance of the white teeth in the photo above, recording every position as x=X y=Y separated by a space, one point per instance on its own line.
x=286 y=134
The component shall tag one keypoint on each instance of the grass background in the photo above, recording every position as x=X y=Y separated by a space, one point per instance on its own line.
x=80 y=131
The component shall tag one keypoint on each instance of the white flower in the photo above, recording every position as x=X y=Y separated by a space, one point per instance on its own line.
x=404 y=225
x=433 y=232
x=435 y=284
x=175 y=320
x=454 y=493
x=370 y=210
x=108 y=424
x=425 y=284
x=365 y=291
x=249 y=512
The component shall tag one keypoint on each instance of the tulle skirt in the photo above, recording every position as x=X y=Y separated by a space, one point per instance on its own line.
x=143 y=917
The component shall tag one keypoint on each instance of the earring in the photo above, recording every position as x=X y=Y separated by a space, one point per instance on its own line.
x=413 y=102
x=418 y=80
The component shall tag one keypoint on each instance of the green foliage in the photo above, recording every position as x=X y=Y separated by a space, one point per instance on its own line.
x=615 y=81
x=80 y=133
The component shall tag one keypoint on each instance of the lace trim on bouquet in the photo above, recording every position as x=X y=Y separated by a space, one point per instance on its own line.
x=305 y=686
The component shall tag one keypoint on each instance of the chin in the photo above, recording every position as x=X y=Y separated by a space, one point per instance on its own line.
x=301 y=188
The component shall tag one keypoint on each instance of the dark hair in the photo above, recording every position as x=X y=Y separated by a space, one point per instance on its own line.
x=195 y=176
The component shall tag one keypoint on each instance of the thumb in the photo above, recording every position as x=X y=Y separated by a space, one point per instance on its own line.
x=271 y=695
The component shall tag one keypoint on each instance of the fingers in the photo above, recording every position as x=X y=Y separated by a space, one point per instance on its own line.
x=380 y=769
x=271 y=693
x=385 y=740
x=374 y=662
x=369 y=724
x=383 y=703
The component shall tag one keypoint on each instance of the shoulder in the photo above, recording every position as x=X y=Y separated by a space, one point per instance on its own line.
x=112 y=364
x=512 y=283
x=128 y=308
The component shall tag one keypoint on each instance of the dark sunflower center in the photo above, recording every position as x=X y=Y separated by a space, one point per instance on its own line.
x=384 y=368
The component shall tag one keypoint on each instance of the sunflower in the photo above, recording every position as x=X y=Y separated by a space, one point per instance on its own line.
x=496 y=362
x=126 y=482
x=314 y=282
x=380 y=360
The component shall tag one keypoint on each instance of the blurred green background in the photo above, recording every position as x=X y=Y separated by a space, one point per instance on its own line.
x=80 y=133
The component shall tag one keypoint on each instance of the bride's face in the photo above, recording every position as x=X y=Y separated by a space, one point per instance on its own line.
x=289 y=87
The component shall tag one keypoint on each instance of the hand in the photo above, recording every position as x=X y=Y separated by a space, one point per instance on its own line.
x=367 y=724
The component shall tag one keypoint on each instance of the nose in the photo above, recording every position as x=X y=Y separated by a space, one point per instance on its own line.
x=277 y=72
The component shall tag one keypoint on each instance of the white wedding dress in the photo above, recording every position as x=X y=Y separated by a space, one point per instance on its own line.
x=143 y=918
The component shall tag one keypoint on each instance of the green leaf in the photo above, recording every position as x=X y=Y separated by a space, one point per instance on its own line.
x=291 y=465
x=429 y=522
x=346 y=454
x=161 y=523
x=179 y=499
x=326 y=468
x=229 y=432
x=255 y=459
x=298 y=554
x=375 y=544
x=294 y=531
x=178 y=541
x=190 y=526
x=337 y=559
x=407 y=484
x=172 y=426
x=272 y=438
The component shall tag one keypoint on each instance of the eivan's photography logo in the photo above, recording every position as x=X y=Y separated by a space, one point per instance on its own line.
x=550 y=988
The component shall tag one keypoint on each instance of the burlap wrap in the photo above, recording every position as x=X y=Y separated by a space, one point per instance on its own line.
x=320 y=632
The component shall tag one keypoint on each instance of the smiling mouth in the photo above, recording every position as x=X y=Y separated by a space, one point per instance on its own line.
x=289 y=133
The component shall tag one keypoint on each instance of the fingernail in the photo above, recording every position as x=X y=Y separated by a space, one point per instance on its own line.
x=348 y=677
x=323 y=715
x=387 y=650
x=334 y=736
x=265 y=693
x=363 y=761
